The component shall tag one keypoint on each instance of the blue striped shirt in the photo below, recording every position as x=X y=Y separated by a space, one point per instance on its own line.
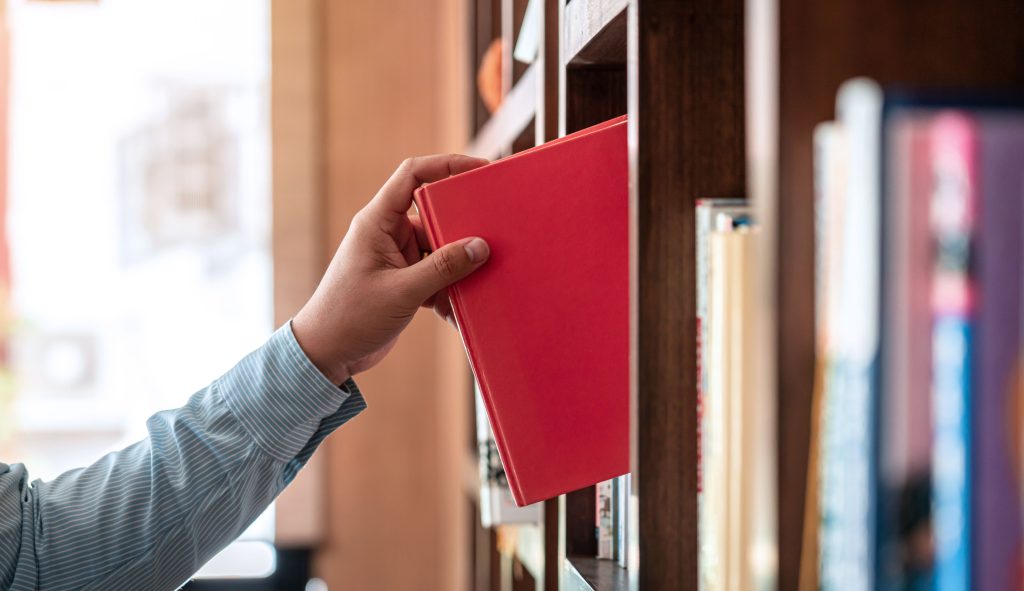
x=150 y=515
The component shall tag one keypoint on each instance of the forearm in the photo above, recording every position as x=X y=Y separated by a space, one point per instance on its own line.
x=150 y=515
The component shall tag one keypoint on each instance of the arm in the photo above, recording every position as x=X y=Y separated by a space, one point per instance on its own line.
x=147 y=517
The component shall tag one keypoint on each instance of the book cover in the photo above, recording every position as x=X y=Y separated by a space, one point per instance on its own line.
x=497 y=507
x=546 y=321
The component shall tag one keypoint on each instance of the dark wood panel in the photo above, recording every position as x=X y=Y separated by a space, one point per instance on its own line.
x=935 y=44
x=551 y=541
x=687 y=68
x=522 y=580
x=593 y=95
x=485 y=27
x=547 y=110
x=580 y=522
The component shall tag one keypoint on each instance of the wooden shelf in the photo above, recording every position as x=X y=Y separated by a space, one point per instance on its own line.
x=594 y=32
x=514 y=115
x=594 y=574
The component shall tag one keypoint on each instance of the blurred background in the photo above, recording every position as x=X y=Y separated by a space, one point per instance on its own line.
x=177 y=174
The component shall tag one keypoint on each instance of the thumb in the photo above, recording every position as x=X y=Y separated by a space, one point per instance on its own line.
x=445 y=266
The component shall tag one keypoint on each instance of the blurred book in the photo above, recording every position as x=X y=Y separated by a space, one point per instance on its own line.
x=851 y=338
x=920 y=210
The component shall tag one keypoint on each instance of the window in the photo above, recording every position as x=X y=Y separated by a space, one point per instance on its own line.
x=137 y=218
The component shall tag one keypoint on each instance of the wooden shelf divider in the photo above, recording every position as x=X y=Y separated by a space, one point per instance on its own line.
x=586 y=573
x=514 y=115
x=594 y=32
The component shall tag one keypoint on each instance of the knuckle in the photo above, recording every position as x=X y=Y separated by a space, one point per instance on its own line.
x=358 y=222
x=407 y=164
x=444 y=262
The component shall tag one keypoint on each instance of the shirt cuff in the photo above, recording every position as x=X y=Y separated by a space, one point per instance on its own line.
x=283 y=400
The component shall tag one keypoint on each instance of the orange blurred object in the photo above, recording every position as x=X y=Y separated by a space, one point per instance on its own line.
x=488 y=76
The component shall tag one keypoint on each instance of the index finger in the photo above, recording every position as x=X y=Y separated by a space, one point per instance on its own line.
x=395 y=197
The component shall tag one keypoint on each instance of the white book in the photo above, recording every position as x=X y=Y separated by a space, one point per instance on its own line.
x=622 y=491
x=847 y=558
x=605 y=519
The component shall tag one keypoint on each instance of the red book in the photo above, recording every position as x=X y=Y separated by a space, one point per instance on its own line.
x=546 y=320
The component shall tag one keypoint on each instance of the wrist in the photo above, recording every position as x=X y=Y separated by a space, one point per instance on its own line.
x=318 y=349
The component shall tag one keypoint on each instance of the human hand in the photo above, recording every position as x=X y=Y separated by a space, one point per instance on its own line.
x=377 y=280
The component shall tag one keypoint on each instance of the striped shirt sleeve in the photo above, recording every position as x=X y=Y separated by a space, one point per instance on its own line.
x=150 y=515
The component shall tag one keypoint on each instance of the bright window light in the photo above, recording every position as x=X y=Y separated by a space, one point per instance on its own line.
x=138 y=216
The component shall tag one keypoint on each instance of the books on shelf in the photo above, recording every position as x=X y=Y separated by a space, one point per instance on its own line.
x=612 y=519
x=920 y=222
x=546 y=321
x=732 y=436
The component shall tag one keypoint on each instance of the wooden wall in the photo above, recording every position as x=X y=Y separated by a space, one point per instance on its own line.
x=357 y=87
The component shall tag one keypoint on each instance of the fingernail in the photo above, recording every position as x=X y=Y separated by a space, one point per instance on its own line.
x=477 y=250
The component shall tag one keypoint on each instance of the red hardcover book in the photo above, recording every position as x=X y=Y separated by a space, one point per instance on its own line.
x=546 y=321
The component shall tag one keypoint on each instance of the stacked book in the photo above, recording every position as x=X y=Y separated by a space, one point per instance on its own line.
x=920 y=209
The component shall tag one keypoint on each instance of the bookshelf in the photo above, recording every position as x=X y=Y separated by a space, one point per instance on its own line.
x=722 y=96
x=681 y=81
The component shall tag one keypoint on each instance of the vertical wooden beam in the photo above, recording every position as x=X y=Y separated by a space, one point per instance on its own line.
x=545 y=127
x=546 y=122
x=395 y=488
x=687 y=141
x=298 y=217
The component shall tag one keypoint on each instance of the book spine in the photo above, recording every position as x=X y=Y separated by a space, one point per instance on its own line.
x=703 y=227
x=953 y=206
x=848 y=557
x=709 y=434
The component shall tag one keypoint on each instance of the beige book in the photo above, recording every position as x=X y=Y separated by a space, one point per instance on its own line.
x=735 y=486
